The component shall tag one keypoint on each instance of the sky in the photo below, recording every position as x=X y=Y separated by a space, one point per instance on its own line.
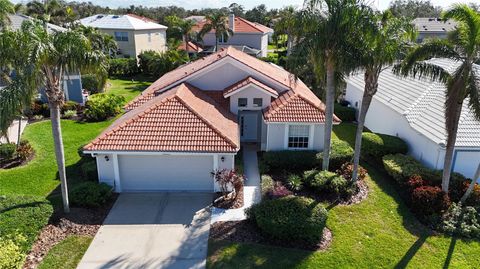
x=248 y=4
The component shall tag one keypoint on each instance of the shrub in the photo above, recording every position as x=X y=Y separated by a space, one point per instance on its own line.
x=228 y=179
x=266 y=185
x=340 y=153
x=378 y=145
x=94 y=83
x=295 y=182
x=429 y=200
x=414 y=182
x=294 y=161
x=68 y=114
x=321 y=180
x=40 y=108
x=279 y=190
x=90 y=194
x=463 y=221
x=346 y=114
x=330 y=182
x=89 y=169
x=346 y=171
x=402 y=167
x=11 y=255
x=309 y=176
x=101 y=106
x=25 y=150
x=70 y=105
x=7 y=150
x=156 y=64
x=290 y=218
x=123 y=67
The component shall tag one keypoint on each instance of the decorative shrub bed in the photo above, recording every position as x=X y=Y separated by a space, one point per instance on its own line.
x=91 y=194
x=11 y=156
x=293 y=161
x=102 y=106
x=290 y=218
x=340 y=153
x=378 y=145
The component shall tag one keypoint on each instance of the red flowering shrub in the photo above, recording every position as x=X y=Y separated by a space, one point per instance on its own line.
x=346 y=171
x=279 y=191
x=429 y=200
x=414 y=182
x=228 y=179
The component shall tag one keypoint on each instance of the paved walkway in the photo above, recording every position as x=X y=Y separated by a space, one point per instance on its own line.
x=12 y=131
x=153 y=230
x=251 y=190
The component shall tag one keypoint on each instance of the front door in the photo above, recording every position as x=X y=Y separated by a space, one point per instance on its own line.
x=249 y=127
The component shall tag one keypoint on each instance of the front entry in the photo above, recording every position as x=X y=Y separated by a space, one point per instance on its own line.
x=249 y=126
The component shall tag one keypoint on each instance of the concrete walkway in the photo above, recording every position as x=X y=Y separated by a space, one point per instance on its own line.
x=251 y=190
x=153 y=230
x=12 y=131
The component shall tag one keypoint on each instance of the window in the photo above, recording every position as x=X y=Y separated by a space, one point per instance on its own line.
x=257 y=102
x=242 y=102
x=121 y=36
x=222 y=39
x=298 y=136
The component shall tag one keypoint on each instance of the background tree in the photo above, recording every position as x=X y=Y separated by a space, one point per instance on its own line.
x=6 y=8
x=463 y=85
x=41 y=59
x=383 y=44
x=51 y=11
x=287 y=24
x=217 y=22
x=414 y=9
x=236 y=9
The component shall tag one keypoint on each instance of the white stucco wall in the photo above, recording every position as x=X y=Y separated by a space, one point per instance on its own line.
x=466 y=161
x=155 y=40
x=250 y=92
x=253 y=40
x=277 y=136
x=105 y=169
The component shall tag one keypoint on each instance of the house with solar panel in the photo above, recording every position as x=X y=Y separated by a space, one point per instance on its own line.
x=428 y=28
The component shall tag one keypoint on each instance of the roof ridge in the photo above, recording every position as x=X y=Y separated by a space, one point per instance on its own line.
x=250 y=23
x=417 y=101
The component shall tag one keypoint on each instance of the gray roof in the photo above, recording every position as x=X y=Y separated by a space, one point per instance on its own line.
x=421 y=102
x=195 y=18
x=17 y=20
x=433 y=25
x=124 y=22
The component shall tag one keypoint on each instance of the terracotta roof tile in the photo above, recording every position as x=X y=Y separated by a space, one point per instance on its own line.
x=241 y=26
x=191 y=47
x=181 y=119
x=246 y=81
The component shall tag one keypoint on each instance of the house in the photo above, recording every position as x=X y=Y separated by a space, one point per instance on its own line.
x=249 y=37
x=413 y=109
x=134 y=34
x=433 y=28
x=195 y=118
x=72 y=83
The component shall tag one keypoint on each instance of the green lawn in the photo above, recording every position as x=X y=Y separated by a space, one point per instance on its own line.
x=380 y=232
x=66 y=254
x=128 y=88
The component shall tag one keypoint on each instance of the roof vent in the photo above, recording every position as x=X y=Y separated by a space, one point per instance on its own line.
x=115 y=16
x=431 y=19
x=99 y=16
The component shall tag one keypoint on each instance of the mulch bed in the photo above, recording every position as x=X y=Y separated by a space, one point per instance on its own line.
x=246 y=232
x=80 y=221
x=361 y=195
x=16 y=162
x=228 y=203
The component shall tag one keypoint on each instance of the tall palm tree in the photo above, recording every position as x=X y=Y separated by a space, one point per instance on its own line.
x=6 y=8
x=41 y=59
x=463 y=46
x=287 y=24
x=217 y=22
x=328 y=30
x=381 y=47
x=98 y=40
x=185 y=28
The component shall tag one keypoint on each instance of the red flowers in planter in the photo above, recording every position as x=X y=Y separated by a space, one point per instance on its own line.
x=228 y=179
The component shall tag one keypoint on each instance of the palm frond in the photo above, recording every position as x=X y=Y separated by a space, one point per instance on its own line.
x=455 y=94
x=473 y=92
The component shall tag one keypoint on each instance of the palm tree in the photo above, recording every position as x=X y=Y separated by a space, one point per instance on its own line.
x=287 y=24
x=381 y=46
x=6 y=8
x=463 y=46
x=99 y=40
x=49 y=11
x=217 y=22
x=328 y=29
x=185 y=28
x=41 y=59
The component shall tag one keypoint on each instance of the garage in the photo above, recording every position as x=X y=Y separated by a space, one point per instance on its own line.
x=165 y=172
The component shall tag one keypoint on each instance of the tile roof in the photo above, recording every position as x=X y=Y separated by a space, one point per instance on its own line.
x=124 y=22
x=191 y=47
x=241 y=26
x=421 y=102
x=183 y=119
x=247 y=81
x=435 y=25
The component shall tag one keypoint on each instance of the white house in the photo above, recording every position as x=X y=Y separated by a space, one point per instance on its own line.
x=413 y=109
x=132 y=33
x=249 y=37
x=433 y=28
x=193 y=120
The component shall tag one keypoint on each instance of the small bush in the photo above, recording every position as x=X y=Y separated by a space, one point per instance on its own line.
x=11 y=254
x=123 y=67
x=90 y=194
x=68 y=114
x=309 y=176
x=414 y=182
x=325 y=181
x=346 y=171
x=290 y=218
x=278 y=191
x=101 y=106
x=321 y=180
x=266 y=185
x=25 y=150
x=94 y=83
x=89 y=169
x=340 y=153
x=429 y=200
x=462 y=221
x=402 y=167
x=378 y=145
x=293 y=161
x=39 y=108
x=295 y=182
x=346 y=114
x=228 y=179
x=8 y=150
x=70 y=105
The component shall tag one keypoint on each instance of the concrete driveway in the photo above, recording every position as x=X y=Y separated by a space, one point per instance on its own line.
x=153 y=230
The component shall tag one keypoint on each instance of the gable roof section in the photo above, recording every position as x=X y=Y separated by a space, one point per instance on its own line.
x=434 y=25
x=191 y=47
x=421 y=102
x=239 y=86
x=123 y=22
x=241 y=26
x=182 y=119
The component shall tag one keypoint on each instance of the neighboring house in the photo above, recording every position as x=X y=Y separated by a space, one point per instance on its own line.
x=249 y=37
x=193 y=120
x=134 y=34
x=413 y=110
x=72 y=83
x=192 y=48
x=433 y=28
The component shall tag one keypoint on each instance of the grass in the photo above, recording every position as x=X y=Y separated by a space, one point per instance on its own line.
x=128 y=88
x=67 y=254
x=380 y=232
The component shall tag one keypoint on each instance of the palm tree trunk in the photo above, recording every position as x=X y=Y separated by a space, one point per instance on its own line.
x=289 y=44
x=330 y=96
x=472 y=185
x=451 y=139
x=19 y=133
x=59 y=152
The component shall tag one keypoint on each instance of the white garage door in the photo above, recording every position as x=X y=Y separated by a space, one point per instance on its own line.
x=166 y=173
